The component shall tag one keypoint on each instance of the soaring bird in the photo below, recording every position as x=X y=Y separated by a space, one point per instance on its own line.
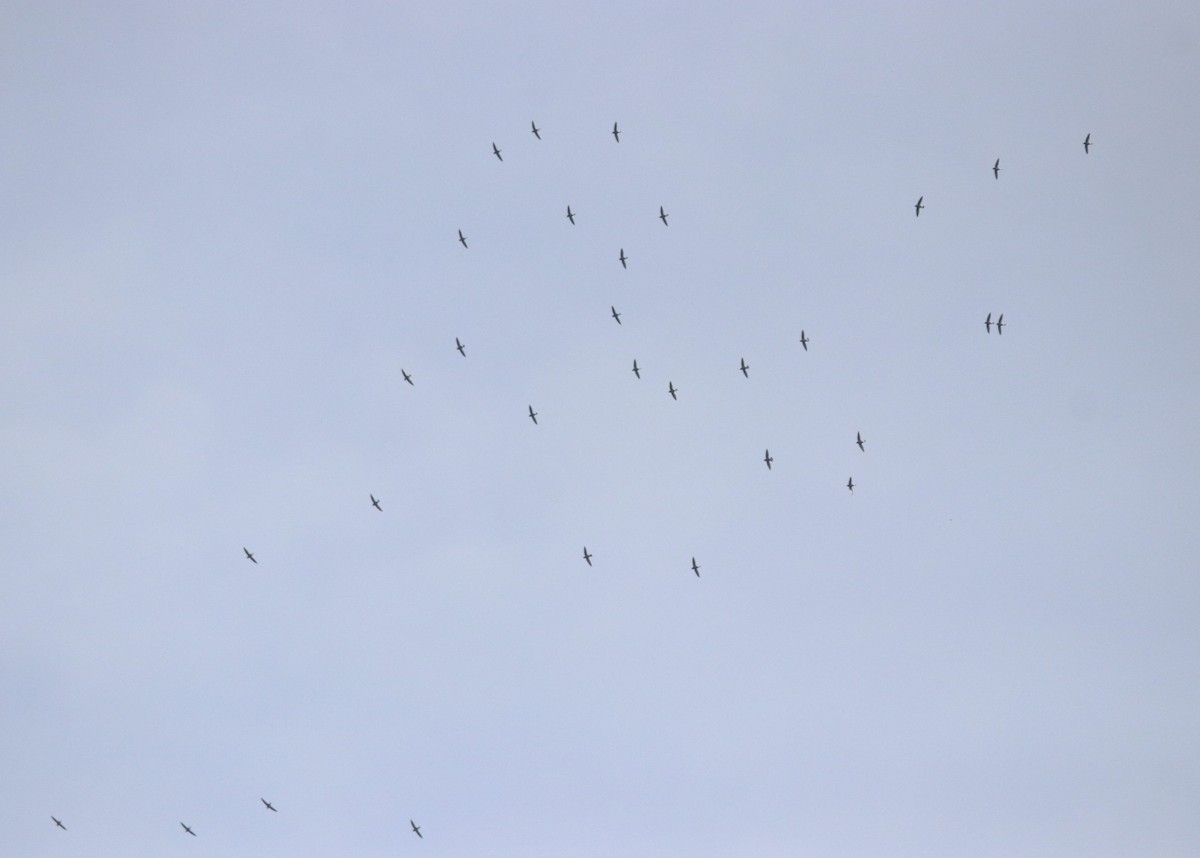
x=850 y=485
x=768 y=458
x=249 y=556
x=695 y=568
x=1087 y=142
x=587 y=556
x=803 y=340
x=496 y=151
x=662 y=215
x=536 y=130
x=615 y=314
x=532 y=415
x=860 y=442
x=375 y=503
x=462 y=238
x=416 y=829
x=671 y=389
x=267 y=803
x=188 y=830
x=407 y=377
x=1000 y=325
x=996 y=169
x=462 y=350
x=987 y=323
x=623 y=257
x=58 y=822
x=744 y=368
x=570 y=216
x=636 y=371
x=919 y=206
x=616 y=133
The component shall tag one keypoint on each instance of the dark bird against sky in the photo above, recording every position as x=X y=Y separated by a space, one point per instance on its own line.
x=188 y=830
x=268 y=804
x=768 y=458
x=462 y=238
x=615 y=314
x=1087 y=143
x=850 y=485
x=496 y=151
x=587 y=556
x=375 y=503
x=1000 y=325
x=695 y=568
x=744 y=368
x=803 y=339
x=996 y=169
x=532 y=415
x=537 y=132
x=623 y=257
x=919 y=206
x=416 y=829
x=462 y=350
x=636 y=371
x=860 y=442
x=616 y=133
x=987 y=323
x=570 y=216
x=249 y=556
x=672 y=389
x=407 y=377
x=58 y=822
x=662 y=215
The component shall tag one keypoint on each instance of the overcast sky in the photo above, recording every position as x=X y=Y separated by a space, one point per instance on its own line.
x=224 y=233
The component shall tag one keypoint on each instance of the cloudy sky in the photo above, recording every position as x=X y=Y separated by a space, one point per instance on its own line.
x=226 y=231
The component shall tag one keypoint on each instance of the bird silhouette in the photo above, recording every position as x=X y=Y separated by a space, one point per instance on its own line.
x=268 y=804
x=58 y=822
x=188 y=830
x=249 y=556
x=744 y=368
x=532 y=415
x=768 y=458
x=850 y=485
x=919 y=206
x=860 y=442
x=803 y=340
x=570 y=216
x=462 y=238
x=375 y=503
x=1000 y=325
x=1087 y=143
x=536 y=131
x=416 y=829
x=672 y=389
x=616 y=133
x=636 y=371
x=587 y=556
x=662 y=215
x=987 y=323
x=462 y=350
x=615 y=314
x=496 y=151
x=623 y=257
x=407 y=377
x=695 y=568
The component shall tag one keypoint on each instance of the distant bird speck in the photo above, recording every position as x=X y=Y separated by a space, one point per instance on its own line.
x=623 y=257
x=1087 y=143
x=587 y=556
x=768 y=458
x=919 y=206
x=407 y=377
x=375 y=503
x=636 y=371
x=188 y=830
x=803 y=340
x=615 y=314
x=462 y=350
x=987 y=323
x=850 y=485
x=462 y=238
x=537 y=132
x=532 y=415
x=570 y=216
x=268 y=804
x=745 y=368
x=616 y=133
x=1000 y=325
x=249 y=556
x=662 y=215
x=996 y=169
x=496 y=151
x=860 y=442
x=672 y=389
x=695 y=567
x=58 y=822
x=416 y=829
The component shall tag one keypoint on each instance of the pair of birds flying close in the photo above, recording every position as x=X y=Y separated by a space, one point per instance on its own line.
x=999 y=323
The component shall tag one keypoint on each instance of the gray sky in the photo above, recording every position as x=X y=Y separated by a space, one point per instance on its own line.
x=223 y=233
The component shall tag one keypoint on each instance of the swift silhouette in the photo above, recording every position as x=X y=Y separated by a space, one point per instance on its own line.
x=996 y=169
x=587 y=556
x=695 y=568
x=850 y=485
x=662 y=215
x=803 y=340
x=249 y=556
x=623 y=257
x=58 y=822
x=188 y=830
x=462 y=238
x=744 y=368
x=768 y=458
x=407 y=377
x=416 y=829
x=616 y=133
x=570 y=216
x=496 y=151
x=462 y=350
x=672 y=389
x=919 y=206
x=615 y=314
x=536 y=130
x=1000 y=325
x=636 y=371
x=987 y=323
x=532 y=415
x=860 y=442
x=375 y=503
x=267 y=803
x=1087 y=143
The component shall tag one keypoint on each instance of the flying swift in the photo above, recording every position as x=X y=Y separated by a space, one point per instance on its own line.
x=496 y=151
x=918 y=206
x=375 y=503
x=1000 y=325
x=462 y=350
x=532 y=415
x=249 y=556
x=616 y=133
x=462 y=238
x=615 y=314
x=671 y=389
x=623 y=257
x=1087 y=142
x=695 y=568
x=987 y=323
x=407 y=377
x=536 y=130
x=744 y=368
x=996 y=169
x=416 y=829
x=188 y=830
x=267 y=803
x=587 y=556
x=850 y=485
x=570 y=216
x=860 y=442
x=636 y=371
x=662 y=215
x=803 y=340
x=58 y=822
x=768 y=458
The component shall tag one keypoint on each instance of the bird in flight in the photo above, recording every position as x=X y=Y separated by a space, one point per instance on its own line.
x=462 y=350
x=532 y=415
x=188 y=830
x=536 y=130
x=496 y=151
x=636 y=371
x=623 y=257
x=860 y=442
x=996 y=169
x=695 y=568
x=1000 y=325
x=1087 y=142
x=662 y=215
x=570 y=216
x=615 y=314
x=744 y=368
x=616 y=133
x=58 y=822
x=249 y=556
x=267 y=803
x=987 y=323
x=768 y=458
x=587 y=556
x=462 y=238
x=416 y=829
x=850 y=485
x=375 y=503
x=671 y=389
x=407 y=377
x=803 y=340
x=919 y=206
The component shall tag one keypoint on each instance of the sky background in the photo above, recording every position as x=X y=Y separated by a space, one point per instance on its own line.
x=226 y=228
